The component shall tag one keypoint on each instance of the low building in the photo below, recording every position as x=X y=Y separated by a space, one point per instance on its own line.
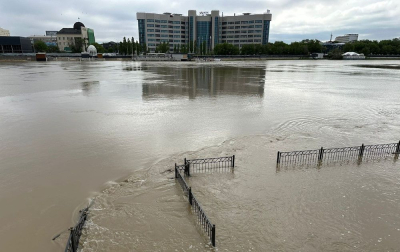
x=78 y=35
x=49 y=40
x=353 y=56
x=14 y=44
x=4 y=32
x=330 y=46
x=347 y=38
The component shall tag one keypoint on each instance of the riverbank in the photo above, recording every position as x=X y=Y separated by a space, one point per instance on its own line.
x=77 y=57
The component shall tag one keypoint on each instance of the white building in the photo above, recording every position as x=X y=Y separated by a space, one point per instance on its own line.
x=347 y=38
x=353 y=56
x=4 y=32
x=210 y=29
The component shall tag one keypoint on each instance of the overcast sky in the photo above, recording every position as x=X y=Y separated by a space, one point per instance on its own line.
x=292 y=20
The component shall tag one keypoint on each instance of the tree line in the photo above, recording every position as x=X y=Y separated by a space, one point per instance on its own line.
x=304 y=47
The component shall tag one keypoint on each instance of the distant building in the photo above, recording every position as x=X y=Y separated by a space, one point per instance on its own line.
x=68 y=37
x=49 y=40
x=209 y=29
x=4 y=32
x=14 y=44
x=353 y=56
x=331 y=46
x=347 y=38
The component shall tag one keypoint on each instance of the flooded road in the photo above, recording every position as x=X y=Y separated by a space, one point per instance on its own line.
x=69 y=130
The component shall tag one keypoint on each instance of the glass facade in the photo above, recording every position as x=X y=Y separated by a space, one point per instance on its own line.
x=142 y=32
x=216 y=31
x=265 y=32
x=191 y=29
x=204 y=33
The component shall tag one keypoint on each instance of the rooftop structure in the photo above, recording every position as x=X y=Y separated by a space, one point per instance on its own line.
x=4 y=32
x=347 y=38
x=206 y=29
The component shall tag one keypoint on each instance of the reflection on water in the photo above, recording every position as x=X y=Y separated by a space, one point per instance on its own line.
x=89 y=86
x=212 y=81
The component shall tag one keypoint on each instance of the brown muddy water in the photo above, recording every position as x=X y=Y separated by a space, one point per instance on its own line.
x=112 y=131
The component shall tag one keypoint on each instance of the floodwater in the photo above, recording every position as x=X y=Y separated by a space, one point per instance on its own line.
x=112 y=132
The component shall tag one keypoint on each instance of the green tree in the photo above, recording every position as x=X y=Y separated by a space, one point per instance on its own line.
x=52 y=49
x=226 y=49
x=77 y=47
x=40 y=46
x=335 y=54
x=99 y=48
x=163 y=47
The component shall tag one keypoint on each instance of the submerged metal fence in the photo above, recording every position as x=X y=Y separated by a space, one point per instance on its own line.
x=202 y=218
x=208 y=164
x=76 y=232
x=339 y=154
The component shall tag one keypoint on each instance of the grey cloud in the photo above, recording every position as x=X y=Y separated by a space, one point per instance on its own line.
x=292 y=20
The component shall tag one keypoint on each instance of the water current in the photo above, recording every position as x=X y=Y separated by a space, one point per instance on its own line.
x=71 y=132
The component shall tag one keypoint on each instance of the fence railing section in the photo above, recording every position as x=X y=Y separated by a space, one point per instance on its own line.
x=180 y=178
x=202 y=218
x=339 y=154
x=208 y=164
x=76 y=232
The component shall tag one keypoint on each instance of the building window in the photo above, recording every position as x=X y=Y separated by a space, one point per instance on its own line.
x=150 y=30
x=258 y=26
x=150 y=20
x=164 y=21
x=150 y=35
x=150 y=25
x=244 y=22
x=177 y=22
x=157 y=21
x=258 y=21
x=164 y=31
x=177 y=27
x=164 y=26
x=251 y=22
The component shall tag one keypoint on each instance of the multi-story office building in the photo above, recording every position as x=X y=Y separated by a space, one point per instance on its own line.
x=194 y=30
x=347 y=38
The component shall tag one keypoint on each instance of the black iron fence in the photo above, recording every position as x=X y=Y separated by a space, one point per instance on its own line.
x=339 y=154
x=76 y=232
x=180 y=178
x=202 y=218
x=208 y=164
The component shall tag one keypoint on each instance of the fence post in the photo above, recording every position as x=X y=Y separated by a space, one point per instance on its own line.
x=213 y=236
x=321 y=154
x=187 y=168
x=190 y=195
x=361 y=151
x=278 y=158
x=398 y=148
x=73 y=246
x=176 y=171
x=233 y=161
